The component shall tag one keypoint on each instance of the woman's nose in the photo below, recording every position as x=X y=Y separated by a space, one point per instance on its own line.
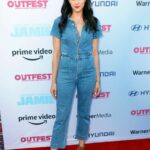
x=77 y=1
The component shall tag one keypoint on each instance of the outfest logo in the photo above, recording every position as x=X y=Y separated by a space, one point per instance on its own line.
x=33 y=77
x=142 y=50
x=106 y=28
x=35 y=139
x=103 y=95
x=141 y=112
x=27 y=4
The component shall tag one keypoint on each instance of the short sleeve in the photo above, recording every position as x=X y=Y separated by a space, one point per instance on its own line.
x=98 y=33
x=55 y=29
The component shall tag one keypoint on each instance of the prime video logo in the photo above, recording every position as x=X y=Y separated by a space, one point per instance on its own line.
x=30 y=30
x=35 y=100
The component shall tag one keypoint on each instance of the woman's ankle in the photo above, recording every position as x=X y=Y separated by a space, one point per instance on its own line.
x=81 y=143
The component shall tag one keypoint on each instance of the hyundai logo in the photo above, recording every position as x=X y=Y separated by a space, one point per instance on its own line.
x=136 y=27
x=133 y=93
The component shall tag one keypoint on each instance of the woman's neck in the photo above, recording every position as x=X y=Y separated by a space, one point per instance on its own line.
x=75 y=15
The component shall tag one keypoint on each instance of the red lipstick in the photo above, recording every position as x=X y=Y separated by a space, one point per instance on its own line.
x=77 y=6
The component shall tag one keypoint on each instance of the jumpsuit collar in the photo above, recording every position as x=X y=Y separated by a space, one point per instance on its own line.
x=74 y=21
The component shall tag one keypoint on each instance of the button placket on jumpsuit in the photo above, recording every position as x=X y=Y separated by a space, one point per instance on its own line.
x=76 y=70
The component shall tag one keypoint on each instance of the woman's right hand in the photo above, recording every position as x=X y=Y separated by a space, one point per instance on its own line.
x=53 y=90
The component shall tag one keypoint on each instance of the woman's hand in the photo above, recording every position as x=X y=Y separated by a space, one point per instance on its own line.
x=96 y=91
x=53 y=90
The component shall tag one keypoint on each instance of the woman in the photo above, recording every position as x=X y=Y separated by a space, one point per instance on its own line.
x=75 y=63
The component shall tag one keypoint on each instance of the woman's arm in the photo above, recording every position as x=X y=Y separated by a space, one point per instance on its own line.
x=55 y=63
x=55 y=57
x=95 y=44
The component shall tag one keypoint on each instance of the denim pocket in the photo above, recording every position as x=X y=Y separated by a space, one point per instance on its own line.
x=64 y=62
x=91 y=63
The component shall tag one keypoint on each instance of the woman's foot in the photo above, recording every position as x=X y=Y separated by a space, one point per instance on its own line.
x=81 y=145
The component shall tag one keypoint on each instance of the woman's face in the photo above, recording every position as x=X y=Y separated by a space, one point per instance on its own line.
x=77 y=5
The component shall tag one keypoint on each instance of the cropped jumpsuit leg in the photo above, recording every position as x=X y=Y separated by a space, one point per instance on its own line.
x=73 y=73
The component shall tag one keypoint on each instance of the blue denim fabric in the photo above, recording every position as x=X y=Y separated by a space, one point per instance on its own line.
x=76 y=70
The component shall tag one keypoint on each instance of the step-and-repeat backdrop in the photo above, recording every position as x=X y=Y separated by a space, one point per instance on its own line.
x=120 y=112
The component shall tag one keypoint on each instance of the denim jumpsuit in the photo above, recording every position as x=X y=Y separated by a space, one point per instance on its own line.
x=76 y=69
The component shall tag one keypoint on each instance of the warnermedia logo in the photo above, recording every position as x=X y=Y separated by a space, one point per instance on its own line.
x=98 y=115
x=139 y=72
x=143 y=131
x=143 y=3
x=105 y=52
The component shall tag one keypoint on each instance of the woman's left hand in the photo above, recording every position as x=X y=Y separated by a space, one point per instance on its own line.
x=96 y=91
